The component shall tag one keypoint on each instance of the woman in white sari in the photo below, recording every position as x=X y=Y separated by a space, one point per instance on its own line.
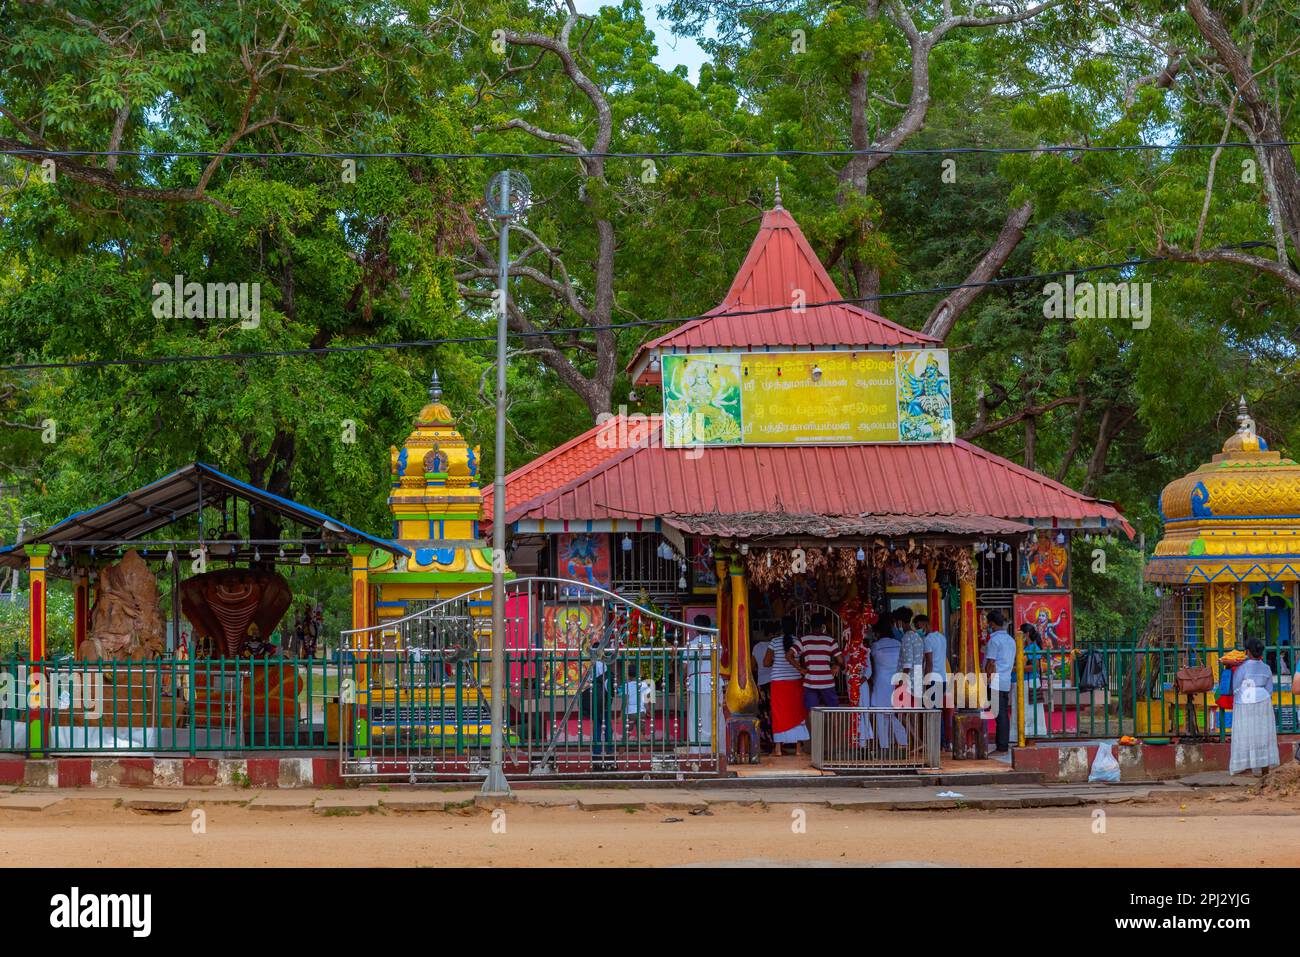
x=1254 y=729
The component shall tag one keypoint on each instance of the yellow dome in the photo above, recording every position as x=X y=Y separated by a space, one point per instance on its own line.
x=1237 y=515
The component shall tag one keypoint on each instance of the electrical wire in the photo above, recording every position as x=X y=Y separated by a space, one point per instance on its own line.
x=649 y=154
x=575 y=330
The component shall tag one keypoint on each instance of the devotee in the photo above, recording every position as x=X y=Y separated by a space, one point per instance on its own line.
x=1254 y=728
x=911 y=654
x=786 y=693
x=935 y=645
x=884 y=669
x=817 y=656
x=700 y=683
x=601 y=743
x=999 y=660
x=763 y=658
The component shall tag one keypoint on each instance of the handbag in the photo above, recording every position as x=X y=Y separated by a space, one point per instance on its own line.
x=1193 y=679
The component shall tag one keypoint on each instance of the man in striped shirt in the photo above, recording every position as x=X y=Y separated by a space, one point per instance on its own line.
x=817 y=656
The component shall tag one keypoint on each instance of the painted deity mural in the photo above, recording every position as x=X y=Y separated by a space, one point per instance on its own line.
x=924 y=397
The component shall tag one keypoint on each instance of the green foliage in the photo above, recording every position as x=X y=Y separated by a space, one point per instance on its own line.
x=387 y=257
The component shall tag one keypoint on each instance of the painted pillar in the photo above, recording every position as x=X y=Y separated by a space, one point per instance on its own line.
x=80 y=607
x=36 y=556
x=934 y=597
x=1221 y=618
x=970 y=649
x=1021 y=701
x=360 y=585
x=723 y=618
x=742 y=692
x=359 y=694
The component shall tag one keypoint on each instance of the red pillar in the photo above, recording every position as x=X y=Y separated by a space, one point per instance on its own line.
x=80 y=607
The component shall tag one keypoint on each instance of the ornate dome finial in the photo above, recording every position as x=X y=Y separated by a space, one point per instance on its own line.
x=435 y=388
x=777 y=197
x=1244 y=422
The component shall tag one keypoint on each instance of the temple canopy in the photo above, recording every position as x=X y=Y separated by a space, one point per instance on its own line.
x=128 y=519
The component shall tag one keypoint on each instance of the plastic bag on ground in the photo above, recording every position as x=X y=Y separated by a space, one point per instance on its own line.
x=1104 y=766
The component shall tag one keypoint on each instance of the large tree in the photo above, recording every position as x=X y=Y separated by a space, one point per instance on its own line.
x=339 y=256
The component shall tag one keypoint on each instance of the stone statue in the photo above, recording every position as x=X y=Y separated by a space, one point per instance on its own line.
x=126 y=621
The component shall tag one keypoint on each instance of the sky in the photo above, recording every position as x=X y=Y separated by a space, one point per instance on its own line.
x=673 y=51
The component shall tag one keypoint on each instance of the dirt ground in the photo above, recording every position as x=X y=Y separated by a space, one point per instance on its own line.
x=1212 y=827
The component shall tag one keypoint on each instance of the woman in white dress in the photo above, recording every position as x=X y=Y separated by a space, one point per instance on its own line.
x=1254 y=728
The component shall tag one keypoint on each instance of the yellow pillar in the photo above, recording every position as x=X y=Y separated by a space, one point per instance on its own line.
x=970 y=648
x=1220 y=619
x=722 y=613
x=360 y=585
x=742 y=692
x=361 y=618
x=934 y=597
x=1020 y=688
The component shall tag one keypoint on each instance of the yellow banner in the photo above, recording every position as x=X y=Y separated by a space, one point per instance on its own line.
x=793 y=398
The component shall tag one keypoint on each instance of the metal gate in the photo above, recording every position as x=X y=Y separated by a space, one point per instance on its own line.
x=596 y=684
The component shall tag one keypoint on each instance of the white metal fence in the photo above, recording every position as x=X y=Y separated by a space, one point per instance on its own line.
x=851 y=739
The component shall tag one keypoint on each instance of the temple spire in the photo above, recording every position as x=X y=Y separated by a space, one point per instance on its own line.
x=435 y=388
x=1245 y=423
x=778 y=194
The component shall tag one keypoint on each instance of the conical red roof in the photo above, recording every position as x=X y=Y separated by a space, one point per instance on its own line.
x=759 y=310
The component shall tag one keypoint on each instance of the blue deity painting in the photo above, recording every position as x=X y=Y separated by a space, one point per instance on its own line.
x=924 y=397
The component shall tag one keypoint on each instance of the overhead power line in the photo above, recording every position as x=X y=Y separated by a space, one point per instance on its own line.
x=649 y=154
x=576 y=330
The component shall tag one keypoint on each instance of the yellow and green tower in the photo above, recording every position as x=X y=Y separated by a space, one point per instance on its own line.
x=436 y=502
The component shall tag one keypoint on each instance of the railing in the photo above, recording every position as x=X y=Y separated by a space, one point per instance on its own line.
x=1137 y=695
x=166 y=705
x=595 y=684
x=621 y=712
x=874 y=739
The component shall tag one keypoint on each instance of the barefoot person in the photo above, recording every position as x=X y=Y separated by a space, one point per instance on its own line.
x=787 y=693
x=1254 y=729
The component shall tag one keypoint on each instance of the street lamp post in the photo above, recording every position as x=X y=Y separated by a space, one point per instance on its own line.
x=507 y=197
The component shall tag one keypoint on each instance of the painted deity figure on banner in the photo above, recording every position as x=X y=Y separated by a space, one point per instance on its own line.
x=924 y=398
x=567 y=634
x=702 y=400
x=1045 y=564
x=1050 y=615
x=585 y=558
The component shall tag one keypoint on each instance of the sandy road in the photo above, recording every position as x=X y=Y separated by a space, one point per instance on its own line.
x=1192 y=831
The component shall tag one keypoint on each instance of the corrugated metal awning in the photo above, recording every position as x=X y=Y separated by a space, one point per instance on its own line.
x=160 y=503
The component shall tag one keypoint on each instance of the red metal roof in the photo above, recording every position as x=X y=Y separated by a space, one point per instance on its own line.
x=943 y=479
x=780 y=261
x=557 y=467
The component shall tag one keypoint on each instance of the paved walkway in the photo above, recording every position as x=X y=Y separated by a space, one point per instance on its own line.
x=695 y=801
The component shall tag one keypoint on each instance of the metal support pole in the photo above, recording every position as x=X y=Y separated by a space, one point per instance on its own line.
x=496 y=784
